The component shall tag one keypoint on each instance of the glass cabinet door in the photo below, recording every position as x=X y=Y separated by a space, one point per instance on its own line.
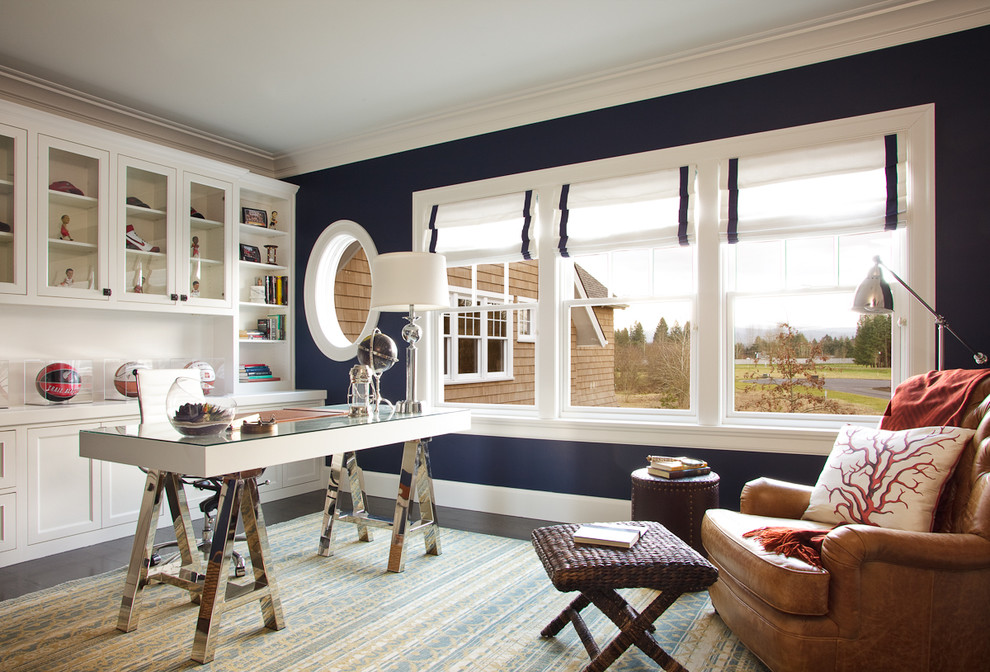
x=205 y=271
x=13 y=219
x=73 y=220
x=146 y=231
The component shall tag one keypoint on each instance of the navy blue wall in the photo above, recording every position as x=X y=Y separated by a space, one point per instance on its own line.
x=948 y=71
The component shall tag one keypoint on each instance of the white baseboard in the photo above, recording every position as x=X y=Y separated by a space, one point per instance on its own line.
x=510 y=501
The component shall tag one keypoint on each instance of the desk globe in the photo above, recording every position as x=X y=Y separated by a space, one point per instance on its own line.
x=378 y=352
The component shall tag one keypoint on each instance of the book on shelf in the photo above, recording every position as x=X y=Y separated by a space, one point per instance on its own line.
x=260 y=379
x=252 y=334
x=255 y=373
x=676 y=467
x=607 y=534
x=276 y=289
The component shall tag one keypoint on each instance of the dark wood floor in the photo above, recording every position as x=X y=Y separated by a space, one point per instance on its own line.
x=52 y=570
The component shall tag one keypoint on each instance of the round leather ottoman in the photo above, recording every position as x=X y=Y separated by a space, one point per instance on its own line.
x=678 y=504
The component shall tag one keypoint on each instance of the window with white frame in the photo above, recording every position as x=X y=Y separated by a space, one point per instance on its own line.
x=484 y=360
x=477 y=343
x=626 y=243
x=525 y=321
x=798 y=227
x=705 y=285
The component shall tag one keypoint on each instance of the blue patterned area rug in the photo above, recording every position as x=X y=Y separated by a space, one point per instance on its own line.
x=479 y=606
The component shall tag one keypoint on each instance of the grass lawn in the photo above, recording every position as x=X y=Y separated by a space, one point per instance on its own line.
x=852 y=404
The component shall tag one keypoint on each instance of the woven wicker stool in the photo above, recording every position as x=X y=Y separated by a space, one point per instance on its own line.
x=659 y=560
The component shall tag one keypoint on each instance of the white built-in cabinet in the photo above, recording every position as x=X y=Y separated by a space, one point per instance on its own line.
x=153 y=237
x=102 y=221
x=13 y=210
x=274 y=244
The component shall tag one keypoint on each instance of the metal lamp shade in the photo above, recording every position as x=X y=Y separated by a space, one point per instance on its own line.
x=409 y=281
x=873 y=294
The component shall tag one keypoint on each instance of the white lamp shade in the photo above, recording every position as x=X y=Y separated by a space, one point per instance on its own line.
x=403 y=281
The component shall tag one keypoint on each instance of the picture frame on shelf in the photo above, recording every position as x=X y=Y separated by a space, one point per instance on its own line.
x=250 y=253
x=254 y=216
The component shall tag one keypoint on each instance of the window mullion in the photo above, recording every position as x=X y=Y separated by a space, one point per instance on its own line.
x=551 y=315
x=708 y=338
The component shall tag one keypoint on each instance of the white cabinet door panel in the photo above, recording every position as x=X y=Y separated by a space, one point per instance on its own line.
x=8 y=525
x=63 y=488
x=7 y=464
x=299 y=473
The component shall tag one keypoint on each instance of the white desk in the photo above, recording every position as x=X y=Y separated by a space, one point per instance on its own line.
x=238 y=459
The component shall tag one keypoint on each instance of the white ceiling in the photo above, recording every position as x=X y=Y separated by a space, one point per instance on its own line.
x=281 y=76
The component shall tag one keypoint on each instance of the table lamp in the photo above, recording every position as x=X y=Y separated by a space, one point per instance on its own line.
x=409 y=281
x=874 y=296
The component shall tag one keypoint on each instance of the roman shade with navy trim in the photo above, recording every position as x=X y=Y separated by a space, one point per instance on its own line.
x=647 y=210
x=846 y=187
x=484 y=230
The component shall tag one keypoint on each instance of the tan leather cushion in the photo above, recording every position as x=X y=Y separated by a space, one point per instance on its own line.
x=786 y=584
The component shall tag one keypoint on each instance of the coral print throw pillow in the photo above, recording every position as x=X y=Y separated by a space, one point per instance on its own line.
x=884 y=478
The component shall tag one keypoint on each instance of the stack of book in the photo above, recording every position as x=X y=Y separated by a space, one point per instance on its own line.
x=253 y=334
x=607 y=534
x=272 y=327
x=677 y=467
x=277 y=289
x=256 y=373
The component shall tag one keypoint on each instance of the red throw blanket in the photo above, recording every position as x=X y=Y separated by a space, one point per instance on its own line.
x=794 y=542
x=933 y=399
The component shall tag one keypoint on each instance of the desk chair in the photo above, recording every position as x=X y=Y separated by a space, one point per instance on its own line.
x=153 y=386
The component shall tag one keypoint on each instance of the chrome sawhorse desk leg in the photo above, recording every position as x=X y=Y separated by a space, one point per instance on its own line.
x=139 y=568
x=239 y=491
x=415 y=476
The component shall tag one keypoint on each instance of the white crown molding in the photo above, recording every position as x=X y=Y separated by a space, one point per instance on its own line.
x=844 y=36
x=66 y=102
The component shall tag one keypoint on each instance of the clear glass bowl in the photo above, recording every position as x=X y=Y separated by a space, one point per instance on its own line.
x=192 y=415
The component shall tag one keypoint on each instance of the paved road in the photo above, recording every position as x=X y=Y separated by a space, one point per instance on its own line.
x=878 y=389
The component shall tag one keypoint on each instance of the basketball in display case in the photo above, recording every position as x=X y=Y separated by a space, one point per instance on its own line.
x=58 y=381
x=125 y=378
x=207 y=374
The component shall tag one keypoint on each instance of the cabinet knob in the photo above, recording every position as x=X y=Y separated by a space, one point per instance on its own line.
x=107 y=291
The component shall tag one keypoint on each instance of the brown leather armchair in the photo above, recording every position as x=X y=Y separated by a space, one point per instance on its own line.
x=884 y=599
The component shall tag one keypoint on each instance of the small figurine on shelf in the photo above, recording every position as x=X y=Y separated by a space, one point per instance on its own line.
x=274 y=219
x=68 y=281
x=195 y=288
x=195 y=246
x=64 y=231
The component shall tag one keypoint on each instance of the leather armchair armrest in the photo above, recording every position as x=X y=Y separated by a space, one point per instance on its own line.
x=776 y=499
x=854 y=545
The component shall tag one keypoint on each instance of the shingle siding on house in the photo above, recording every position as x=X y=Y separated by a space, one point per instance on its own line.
x=593 y=367
x=352 y=295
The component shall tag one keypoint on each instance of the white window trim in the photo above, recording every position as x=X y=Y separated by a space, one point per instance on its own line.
x=710 y=428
